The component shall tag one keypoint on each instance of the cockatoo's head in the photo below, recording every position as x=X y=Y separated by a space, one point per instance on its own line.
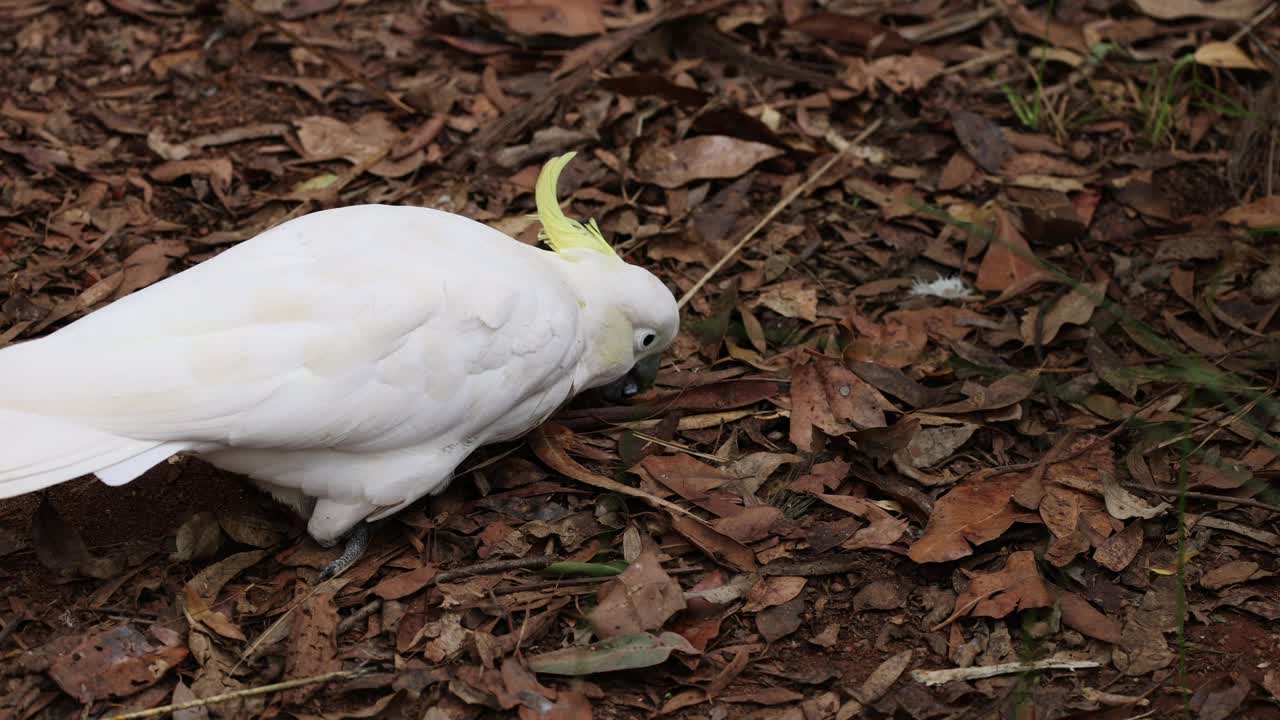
x=629 y=316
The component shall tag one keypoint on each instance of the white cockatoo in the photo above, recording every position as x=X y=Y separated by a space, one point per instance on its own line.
x=346 y=361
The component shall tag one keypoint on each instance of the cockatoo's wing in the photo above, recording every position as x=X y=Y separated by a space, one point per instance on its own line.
x=361 y=329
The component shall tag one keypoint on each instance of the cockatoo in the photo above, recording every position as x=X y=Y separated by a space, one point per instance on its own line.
x=345 y=361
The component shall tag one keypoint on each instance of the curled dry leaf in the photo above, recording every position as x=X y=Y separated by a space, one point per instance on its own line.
x=252 y=530
x=1123 y=505
x=1008 y=390
x=199 y=537
x=217 y=170
x=1075 y=308
x=877 y=684
x=1017 y=587
x=976 y=511
x=700 y=158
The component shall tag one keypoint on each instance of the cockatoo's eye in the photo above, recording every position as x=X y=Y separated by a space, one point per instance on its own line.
x=645 y=338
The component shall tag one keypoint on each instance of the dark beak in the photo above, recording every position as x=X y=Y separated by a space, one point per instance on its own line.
x=638 y=379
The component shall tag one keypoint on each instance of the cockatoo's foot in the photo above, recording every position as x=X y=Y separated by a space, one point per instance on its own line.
x=357 y=543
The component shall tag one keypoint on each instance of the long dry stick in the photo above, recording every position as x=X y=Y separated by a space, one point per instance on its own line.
x=237 y=694
x=804 y=187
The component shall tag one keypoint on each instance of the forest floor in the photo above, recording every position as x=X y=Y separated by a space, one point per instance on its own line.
x=978 y=419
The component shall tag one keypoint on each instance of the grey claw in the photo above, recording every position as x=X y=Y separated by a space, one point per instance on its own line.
x=357 y=543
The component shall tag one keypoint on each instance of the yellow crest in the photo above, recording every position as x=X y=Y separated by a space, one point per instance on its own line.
x=560 y=232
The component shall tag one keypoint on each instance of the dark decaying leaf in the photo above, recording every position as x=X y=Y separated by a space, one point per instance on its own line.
x=60 y=549
x=115 y=662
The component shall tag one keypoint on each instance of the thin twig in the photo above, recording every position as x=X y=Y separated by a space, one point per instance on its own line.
x=496 y=566
x=1174 y=492
x=782 y=204
x=483 y=568
x=237 y=694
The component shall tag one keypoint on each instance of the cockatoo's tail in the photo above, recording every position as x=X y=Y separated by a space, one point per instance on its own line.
x=347 y=361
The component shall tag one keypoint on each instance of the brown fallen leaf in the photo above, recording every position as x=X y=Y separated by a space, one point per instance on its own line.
x=199 y=612
x=1220 y=698
x=780 y=621
x=750 y=524
x=366 y=140
x=1232 y=573
x=773 y=590
x=1008 y=390
x=900 y=73
x=982 y=139
x=1075 y=308
x=1225 y=55
x=395 y=587
x=1196 y=340
x=253 y=530
x=59 y=548
x=877 y=684
x=894 y=382
x=718 y=546
x=1120 y=549
x=570 y=18
x=1239 y=10
x=880 y=594
x=791 y=298
x=115 y=662
x=1017 y=587
x=1009 y=266
x=694 y=481
x=827 y=395
x=312 y=648
x=218 y=170
x=976 y=511
x=1084 y=618
x=700 y=158
x=1261 y=213
x=147 y=265
x=642 y=598
x=198 y=538
x=859 y=32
